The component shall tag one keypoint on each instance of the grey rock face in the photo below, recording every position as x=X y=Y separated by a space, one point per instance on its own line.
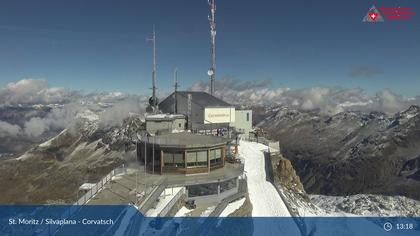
x=351 y=152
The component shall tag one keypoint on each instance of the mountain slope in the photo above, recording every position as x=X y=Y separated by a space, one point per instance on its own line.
x=351 y=152
x=53 y=171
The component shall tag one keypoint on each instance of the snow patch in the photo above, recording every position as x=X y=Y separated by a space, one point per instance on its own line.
x=48 y=143
x=88 y=115
x=232 y=207
x=86 y=186
x=208 y=211
x=367 y=205
x=183 y=212
x=24 y=157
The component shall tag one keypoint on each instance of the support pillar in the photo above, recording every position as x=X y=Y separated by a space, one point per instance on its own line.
x=162 y=163
x=223 y=155
x=208 y=160
x=185 y=162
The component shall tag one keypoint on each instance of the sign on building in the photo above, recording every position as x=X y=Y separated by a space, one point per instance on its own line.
x=217 y=115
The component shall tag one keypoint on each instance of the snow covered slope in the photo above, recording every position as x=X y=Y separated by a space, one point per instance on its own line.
x=368 y=205
x=264 y=197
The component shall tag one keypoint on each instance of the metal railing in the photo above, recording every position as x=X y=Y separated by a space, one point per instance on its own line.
x=172 y=203
x=100 y=185
x=274 y=146
x=52 y=229
x=172 y=141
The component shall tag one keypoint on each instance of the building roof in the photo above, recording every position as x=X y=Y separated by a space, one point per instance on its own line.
x=202 y=99
x=187 y=140
x=164 y=117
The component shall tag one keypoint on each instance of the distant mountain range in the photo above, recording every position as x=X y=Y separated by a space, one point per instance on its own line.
x=350 y=152
x=344 y=154
x=53 y=171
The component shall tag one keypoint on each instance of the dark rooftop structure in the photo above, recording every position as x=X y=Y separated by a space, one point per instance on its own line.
x=201 y=99
x=177 y=103
x=186 y=140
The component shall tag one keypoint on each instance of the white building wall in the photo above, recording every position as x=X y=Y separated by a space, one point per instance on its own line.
x=243 y=121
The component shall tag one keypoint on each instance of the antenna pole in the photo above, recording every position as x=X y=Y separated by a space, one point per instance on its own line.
x=176 y=85
x=153 y=100
x=212 y=20
x=154 y=62
x=176 y=90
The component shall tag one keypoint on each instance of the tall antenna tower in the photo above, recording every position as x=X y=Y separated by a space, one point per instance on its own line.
x=153 y=101
x=212 y=20
x=176 y=86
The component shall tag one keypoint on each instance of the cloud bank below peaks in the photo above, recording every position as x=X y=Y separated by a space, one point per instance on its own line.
x=328 y=100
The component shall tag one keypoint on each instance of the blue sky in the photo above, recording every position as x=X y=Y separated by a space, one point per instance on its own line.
x=100 y=44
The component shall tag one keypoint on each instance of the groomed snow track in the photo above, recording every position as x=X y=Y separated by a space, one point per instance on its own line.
x=265 y=200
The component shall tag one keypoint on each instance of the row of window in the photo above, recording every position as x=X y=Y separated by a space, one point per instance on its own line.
x=193 y=159
x=211 y=189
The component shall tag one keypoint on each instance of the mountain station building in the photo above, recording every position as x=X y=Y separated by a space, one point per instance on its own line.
x=206 y=112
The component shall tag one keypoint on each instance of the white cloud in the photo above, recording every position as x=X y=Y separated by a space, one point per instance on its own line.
x=389 y=101
x=112 y=107
x=36 y=126
x=34 y=91
x=7 y=130
x=57 y=119
x=121 y=110
x=329 y=100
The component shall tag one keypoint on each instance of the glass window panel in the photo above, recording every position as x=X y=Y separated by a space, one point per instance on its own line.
x=218 y=153
x=227 y=185
x=212 y=154
x=178 y=158
x=202 y=156
x=168 y=158
x=191 y=156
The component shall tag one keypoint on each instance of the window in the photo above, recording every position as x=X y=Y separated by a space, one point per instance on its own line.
x=179 y=159
x=227 y=185
x=202 y=158
x=173 y=159
x=179 y=125
x=191 y=158
x=215 y=156
x=168 y=159
x=195 y=159
x=247 y=116
x=202 y=189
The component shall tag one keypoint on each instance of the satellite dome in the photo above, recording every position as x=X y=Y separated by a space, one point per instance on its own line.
x=153 y=101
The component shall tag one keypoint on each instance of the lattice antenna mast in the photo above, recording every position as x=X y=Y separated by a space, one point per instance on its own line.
x=176 y=86
x=153 y=101
x=212 y=20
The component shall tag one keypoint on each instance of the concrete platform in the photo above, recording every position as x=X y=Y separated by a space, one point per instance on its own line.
x=135 y=186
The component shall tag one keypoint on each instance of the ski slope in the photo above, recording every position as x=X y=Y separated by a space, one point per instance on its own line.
x=265 y=200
